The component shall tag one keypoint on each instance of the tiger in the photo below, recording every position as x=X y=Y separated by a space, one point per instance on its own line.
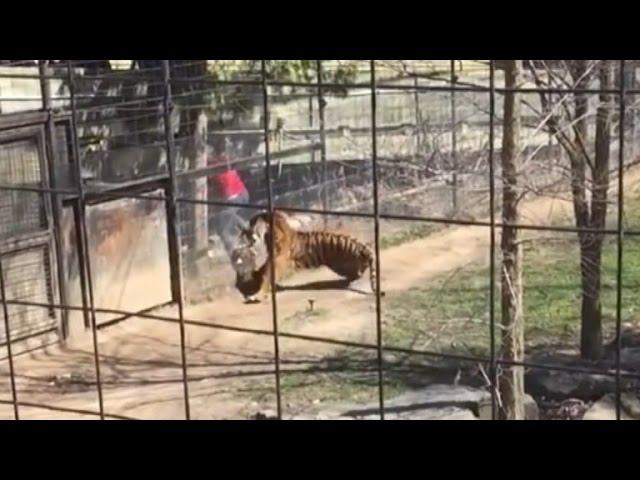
x=294 y=249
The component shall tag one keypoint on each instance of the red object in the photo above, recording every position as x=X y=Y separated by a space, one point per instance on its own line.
x=228 y=184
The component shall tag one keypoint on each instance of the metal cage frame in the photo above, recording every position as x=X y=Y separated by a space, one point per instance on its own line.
x=80 y=198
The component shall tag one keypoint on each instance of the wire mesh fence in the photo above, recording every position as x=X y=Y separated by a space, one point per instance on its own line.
x=114 y=164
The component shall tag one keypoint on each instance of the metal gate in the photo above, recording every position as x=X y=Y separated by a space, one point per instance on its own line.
x=27 y=252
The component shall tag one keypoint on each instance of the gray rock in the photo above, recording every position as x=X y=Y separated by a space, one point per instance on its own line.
x=630 y=340
x=390 y=358
x=441 y=395
x=630 y=358
x=605 y=409
x=631 y=404
x=453 y=402
x=569 y=409
x=265 y=415
x=560 y=385
x=531 y=410
x=445 y=413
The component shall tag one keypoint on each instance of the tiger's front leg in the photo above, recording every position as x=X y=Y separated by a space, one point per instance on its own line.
x=266 y=287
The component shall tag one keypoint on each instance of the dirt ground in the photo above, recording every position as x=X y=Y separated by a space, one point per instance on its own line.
x=141 y=361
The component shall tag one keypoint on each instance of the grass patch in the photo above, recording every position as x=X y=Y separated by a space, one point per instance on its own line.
x=355 y=386
x=446 y=314
x=414 y=232
x=451 y=314
x=346 y=376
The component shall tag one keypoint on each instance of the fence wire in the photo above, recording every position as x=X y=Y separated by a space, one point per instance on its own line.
x=150 y=127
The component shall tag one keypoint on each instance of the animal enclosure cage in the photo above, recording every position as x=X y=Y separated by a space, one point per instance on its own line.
x=108 y=220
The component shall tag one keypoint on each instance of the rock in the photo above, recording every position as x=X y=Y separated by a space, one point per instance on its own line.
x=439 y=401
x=445 y=413
x=441 y=395
x=631 y=404
x=557 y=385
x=265 y=415
x=605 y=409
x=531 y=410
x=561 y=385
x=390 y=358
x=630 y=358
x=630 y=339
x=569 y=409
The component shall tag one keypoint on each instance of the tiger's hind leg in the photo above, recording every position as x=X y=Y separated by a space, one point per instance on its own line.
x=373 y=277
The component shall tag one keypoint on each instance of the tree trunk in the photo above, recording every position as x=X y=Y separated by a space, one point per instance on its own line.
x=588 y=214
x=511 y=380
x=591 y=243
x=591 y=310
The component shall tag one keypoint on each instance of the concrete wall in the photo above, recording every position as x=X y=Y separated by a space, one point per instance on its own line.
x=23 y=94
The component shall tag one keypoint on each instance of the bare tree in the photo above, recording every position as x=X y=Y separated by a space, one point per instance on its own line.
x=511 y=380
x=589 y=169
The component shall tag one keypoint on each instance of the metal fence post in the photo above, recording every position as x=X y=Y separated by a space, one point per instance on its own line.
x=82 y=231
x=45 y=89
x=454 y=137
x=323 y=139
x=173 y=234
x=272 y=279
x=7 y=328
x=376 y=225
x=492 y=247
x=620 y=235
